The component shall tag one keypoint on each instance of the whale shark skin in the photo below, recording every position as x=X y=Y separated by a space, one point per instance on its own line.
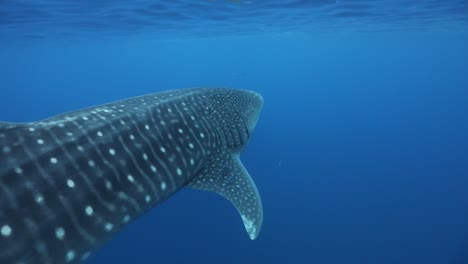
x=70 y=182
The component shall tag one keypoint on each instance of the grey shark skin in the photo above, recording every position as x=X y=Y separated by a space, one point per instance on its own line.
x=70 y=182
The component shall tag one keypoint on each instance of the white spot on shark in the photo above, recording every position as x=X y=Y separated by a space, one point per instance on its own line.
x=130 y=178
x=60 y=233
x=108 y=227
x=89 y=210
x=70 y=183
x=126 y=218
x=70 y=256
x=39 y=199
x=6 y=231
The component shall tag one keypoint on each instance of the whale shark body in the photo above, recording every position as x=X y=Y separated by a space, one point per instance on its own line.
x=70 y=182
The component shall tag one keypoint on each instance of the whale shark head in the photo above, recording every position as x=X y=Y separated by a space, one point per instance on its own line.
x=252 y=106
x=237 y=112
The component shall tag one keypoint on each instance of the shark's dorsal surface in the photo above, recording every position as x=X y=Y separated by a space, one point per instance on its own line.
x=68 y=183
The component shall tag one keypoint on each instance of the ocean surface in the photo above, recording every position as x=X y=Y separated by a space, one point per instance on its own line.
x=361 y=151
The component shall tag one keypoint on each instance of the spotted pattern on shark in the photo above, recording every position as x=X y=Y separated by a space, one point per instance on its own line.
x=70 y=182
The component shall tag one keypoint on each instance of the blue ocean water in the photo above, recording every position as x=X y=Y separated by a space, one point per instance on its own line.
x=360 y=154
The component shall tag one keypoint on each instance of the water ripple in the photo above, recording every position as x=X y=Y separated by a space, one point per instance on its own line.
x=193 y=18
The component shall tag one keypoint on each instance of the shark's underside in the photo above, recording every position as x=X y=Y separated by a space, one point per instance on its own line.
x=68 y=183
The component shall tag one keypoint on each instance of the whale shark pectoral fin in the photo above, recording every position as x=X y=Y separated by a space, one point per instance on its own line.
x=229 y=178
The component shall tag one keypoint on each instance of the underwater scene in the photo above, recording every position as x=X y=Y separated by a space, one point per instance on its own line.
x=233 y=131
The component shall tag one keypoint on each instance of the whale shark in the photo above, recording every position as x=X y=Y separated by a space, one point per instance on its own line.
x=70 y=182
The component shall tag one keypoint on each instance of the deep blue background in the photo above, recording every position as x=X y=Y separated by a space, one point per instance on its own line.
x=360 y=154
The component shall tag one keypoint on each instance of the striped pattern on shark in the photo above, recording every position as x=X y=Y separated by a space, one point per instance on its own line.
x=70 y=182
